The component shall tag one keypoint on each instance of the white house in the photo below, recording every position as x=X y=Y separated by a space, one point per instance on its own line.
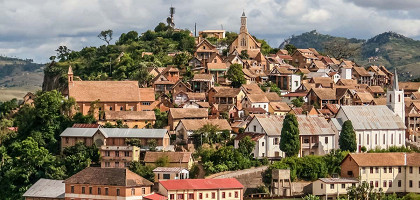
x=331 y=188
x=316 y=135
x=255 y=101
x=375 y=126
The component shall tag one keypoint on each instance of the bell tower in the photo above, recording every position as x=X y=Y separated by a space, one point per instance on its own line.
x=243 y=23
x=395 y=98
x=70 y=75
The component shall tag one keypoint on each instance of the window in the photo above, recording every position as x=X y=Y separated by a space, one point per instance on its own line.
x=180 y=196
x=143 y=190
x=392 y=138
x=326 y=140
x=322 y=186
x=117 y=154
x=118 y=191
x=376 y=184
x=262 y=144
x=200 y=195
x=166 y=176
x=376 y=138
x=411 y=170
x=399 y=183
x=384 y=184
x=106 y=191
x=117 y=164
x=367 y=139
x=384 y=170
x=83 y=190
x=133 y=191
x=331 y=186
x=107 y=153
x=360 y=138
x=410 y=183
x=383 y=140
x=191 y=196
x=390 y=183
x=230 y=194
x=350 y=173
x=213 y=195
x=343 y=185
x=67 y=140
x=376 y=169
x=121 y=108
x=223 y=195
x=236 y=195
x=353 y=184
x=72 y=189
x=276 y=141
x=255 y=128
x=399 y=169
x=207 y=195
x=390 y=169
x=99 y=190
x=172 y=196
x=371 y=183
x=110 y=107
x=371 y=170
x=363 y=170
x=90 y=190
x=399 y=98
x=399 y=139
x=126 y=153
x=107 y=164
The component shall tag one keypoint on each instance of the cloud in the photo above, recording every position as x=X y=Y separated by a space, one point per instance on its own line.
x=35 y=28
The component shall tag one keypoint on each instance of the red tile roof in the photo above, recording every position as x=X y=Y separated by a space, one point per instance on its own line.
x=155 y=196
x=202 y=184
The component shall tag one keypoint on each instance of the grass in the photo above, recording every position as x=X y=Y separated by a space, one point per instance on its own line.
x=7 y=94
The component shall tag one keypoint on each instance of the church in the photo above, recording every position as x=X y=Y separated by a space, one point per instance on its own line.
x=245 y=41
x=376 y=126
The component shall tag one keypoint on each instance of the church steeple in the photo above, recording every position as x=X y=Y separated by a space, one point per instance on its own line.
x=70 y=75
x=395 y=85
x=243 y=29
x=395 y=98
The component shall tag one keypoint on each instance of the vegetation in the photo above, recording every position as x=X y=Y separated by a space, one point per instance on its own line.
x=236 y=75
x=161 y=119
x=309 y=168
x=347 y=139
x=290 y=143
x=142 y=170
x=270 y=86
x=209 y=134
x=298 y=102
x=391 y=149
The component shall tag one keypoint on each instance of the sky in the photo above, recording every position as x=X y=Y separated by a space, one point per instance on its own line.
x=35 y=28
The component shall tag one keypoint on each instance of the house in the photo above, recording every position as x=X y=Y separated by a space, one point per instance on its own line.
x=176 y=114
x=170 y=173
x=105 y=95
x=251 y=89
x=375 y=126
x=361 y=75
x=181 y=87
x=216 y=67
x=186 y=127
x=409 y=87
x=29 y=98
x=175 y=159
x=202 y=189
x=133 y=119
x=233 y=59
x=322 y=82
x=106 y=183
x=118 y=156
x=273 y=97
x=376 y=91
x=202 y=82
x=232 y=112
x=278 y=108
x=194 y=104
x=147 y=98
x=226 y=96
x=391 y=172
x=161 y=84
x=332 y=188
x=316 y=135
x=183 y=97
x=204 y=50
x=284 y=78
x=322 y=96
x=362 y=98
x=46 y=189
x=317 y=66
x=245 y=41
x=412 y=119
x=114 y=137
x=250 y=78
x=302 y=58
x=255 y=101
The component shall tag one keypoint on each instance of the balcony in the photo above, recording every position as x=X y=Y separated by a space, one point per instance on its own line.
x=309 y=146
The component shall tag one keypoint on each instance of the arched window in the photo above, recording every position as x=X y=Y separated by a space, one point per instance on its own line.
x=390 y=97
x=399 y=98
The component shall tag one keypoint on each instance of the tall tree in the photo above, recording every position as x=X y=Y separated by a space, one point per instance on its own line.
x=347 y=139
x=341 y=48
x=106 y=36
x=290 y=143
x=246 y=146
x=63 y=53
x=236 y=75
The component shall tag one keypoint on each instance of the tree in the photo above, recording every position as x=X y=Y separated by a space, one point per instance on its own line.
x=161 y=27
x=63 y=53
x=7 y=107
x=244 y=54
x=79 y=156
x=298 y=102
x=161 y=119
x=347 y=139
x=310 y=197
x=162 y=161
x=181 y=59
x=106 y=36
x=290 y=48
x=208 y=133
x=236 y=75
x=290 y=143
x=363 y=191
x=152 y=144
x=246 y=146
x=143 y=171
x=341 y=48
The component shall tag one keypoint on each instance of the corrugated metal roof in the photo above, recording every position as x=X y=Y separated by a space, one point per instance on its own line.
x=46 y=188
x=339 y=180
x=308 y=125
x=372 y=117
x=115 y=132
x=169 y=169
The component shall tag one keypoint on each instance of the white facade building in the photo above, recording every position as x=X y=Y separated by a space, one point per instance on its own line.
x=375 y=126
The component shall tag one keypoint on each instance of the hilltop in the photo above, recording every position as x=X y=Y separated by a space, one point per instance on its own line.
x=19 y=76
x=389 y=49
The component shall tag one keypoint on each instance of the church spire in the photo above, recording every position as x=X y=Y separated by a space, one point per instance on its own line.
x=243 y=29
x=70 y=75
x=395 y=85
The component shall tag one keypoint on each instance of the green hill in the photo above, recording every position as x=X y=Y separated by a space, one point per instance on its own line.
x=19 y=76
x=389 y=49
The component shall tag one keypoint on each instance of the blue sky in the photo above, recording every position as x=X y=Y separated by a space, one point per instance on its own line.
x=35 y=28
